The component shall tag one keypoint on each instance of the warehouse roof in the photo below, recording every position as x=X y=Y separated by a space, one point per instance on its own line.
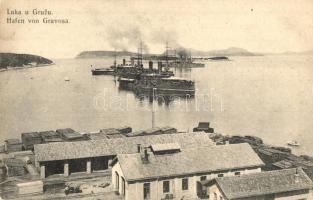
x=114 y=146
x=189 y=161
x=257 y=184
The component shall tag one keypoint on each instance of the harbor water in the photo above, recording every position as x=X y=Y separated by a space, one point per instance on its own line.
x=266 y=96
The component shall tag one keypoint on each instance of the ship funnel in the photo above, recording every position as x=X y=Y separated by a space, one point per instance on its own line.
x=150 y=65
x=160 y=66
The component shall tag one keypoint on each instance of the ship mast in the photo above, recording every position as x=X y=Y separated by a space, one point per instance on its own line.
x=114 y=58
x=166 y=55
x=139 y=54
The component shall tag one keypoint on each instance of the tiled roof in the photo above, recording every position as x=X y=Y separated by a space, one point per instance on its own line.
x=114 y=146
x=263 y=183
x=189 y=161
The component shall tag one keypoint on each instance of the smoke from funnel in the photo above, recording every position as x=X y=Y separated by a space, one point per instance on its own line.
x=183 y=53
x=126 y=37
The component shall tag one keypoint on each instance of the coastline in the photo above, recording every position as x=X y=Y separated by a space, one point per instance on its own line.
x=24 y=67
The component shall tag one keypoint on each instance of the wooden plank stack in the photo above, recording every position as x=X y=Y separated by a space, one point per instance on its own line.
x=12 y=145
x=29 y=139
x=33 y=187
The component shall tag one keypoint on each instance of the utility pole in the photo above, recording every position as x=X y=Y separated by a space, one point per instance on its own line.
x=153 y=112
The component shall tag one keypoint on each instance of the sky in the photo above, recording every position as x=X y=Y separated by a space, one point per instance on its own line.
x=256 y=25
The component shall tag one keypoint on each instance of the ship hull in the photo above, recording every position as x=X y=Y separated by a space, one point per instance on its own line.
x=103 y=71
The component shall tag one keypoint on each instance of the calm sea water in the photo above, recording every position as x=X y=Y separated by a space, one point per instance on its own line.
x=267 y=96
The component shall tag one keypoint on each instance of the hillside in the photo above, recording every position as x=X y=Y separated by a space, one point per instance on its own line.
x=94 y=54
x=19 y=60
x=232 y=51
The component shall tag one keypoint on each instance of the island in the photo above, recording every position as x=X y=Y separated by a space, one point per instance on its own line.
x=15 y=61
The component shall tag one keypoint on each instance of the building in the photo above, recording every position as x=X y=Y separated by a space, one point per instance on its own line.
x=284 y=184
x=30 y=139
x=94 y=155
x=167 y=171
x=12 y=145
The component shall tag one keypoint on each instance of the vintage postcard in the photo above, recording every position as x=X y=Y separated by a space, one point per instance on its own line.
x=156 y=100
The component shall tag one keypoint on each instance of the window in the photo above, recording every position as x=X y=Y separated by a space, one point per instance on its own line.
x=146 y=191
x=220 y=175
x=215 y=196
x=117 y=181
x=166 y=186
x=123 y=186
x=185 y=184
x=237 y=173
x=202 y=178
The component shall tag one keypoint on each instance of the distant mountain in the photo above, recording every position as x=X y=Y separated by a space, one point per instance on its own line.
x=232 y=51
x=12 y=60
x=94 y=54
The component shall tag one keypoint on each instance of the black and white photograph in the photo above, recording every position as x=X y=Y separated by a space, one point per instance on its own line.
x=156 y=99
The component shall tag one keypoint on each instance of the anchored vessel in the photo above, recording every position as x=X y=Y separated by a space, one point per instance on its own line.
x=293 y=143
x=103 y=71
x=148 y=82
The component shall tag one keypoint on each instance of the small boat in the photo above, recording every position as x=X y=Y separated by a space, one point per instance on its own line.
x=66 y=78
x=218 y=58
x=293 y=143
x=102 y=71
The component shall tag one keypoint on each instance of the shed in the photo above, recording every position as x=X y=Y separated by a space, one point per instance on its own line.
x=29 y=139
x=50 y=136
x=203 y=126
x=69 y=134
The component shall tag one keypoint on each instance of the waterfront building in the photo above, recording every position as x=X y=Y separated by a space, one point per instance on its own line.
x=287 y=184
x=167 y=171
x=94 y=155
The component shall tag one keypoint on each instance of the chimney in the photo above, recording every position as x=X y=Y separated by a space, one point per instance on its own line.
x=297 y=176
x=145 y=157
x=138 y=148
x=124 y=61
x=151 y=65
